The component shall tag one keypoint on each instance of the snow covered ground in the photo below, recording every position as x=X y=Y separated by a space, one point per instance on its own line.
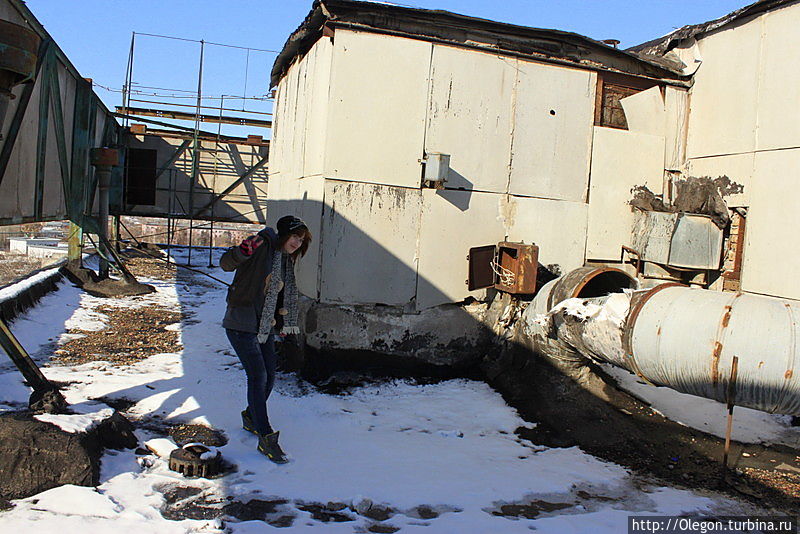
x=429 y=458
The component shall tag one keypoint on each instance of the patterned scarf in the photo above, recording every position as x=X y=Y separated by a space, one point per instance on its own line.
x=274 y=286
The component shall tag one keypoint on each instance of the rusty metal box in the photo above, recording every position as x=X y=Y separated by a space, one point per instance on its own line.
x=509 y=267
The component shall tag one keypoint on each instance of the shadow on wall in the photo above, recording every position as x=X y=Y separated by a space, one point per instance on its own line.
x=456 y=180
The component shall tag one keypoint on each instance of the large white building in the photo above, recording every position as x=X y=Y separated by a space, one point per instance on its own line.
x=548 y=133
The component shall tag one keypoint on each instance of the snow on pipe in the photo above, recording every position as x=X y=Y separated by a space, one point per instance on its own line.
x=685 y=339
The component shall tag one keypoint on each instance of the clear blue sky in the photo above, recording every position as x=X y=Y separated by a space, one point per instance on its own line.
x=96 y=35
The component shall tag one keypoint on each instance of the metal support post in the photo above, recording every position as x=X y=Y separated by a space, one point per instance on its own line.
x=731 y=401
x=103 y=159
x=115 y=235
x=44 y=392
x=211 y=244
x=74 y=242
x=196 y=155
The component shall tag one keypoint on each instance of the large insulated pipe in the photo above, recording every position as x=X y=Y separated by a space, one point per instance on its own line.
x=18 y=51
x=686 y=338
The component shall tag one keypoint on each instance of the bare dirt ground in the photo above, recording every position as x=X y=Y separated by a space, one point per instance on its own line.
x=14 y=266
x=133 y=334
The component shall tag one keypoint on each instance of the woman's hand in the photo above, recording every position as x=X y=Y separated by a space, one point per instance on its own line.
x=249 y=245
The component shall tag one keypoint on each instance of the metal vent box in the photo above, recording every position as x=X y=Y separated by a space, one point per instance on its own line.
x=509 y=267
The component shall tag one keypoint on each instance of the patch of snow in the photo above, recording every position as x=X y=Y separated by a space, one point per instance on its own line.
x=161 y=447
x=72 y=500
x=83 y=421
x=582 y=309
x=13 y=290
x=209 y=454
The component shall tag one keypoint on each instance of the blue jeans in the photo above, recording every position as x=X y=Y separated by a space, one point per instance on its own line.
x=258 y=360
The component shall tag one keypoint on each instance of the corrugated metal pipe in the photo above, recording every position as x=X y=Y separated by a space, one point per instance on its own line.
x=683 y=338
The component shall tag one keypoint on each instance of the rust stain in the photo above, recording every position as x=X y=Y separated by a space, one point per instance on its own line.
x=659 y=331
x=788 y=374
x=760 y=365
x=715 y=362
x=727 y=317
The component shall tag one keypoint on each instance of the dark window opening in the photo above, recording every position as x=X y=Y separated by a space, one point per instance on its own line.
x=611 y=88
x=140 y=176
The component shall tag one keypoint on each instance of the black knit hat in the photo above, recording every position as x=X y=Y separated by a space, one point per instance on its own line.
x=289 y=225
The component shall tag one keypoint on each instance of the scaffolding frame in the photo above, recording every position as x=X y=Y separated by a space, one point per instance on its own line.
x=193 y=137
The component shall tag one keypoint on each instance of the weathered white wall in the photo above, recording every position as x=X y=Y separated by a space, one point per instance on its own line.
x=723 y=115
x=772 y=241
x=552 y=140
x=645 y=112
x=301 y=116
x=557 y=227
x=378 y=97
x=470 y=117
x=305 y=199
x=373 y=105
x=453 y=222
x=778 y=101
x=745 y=123
x=621 y=160
x=738 y=167
x=676 y=118
x=369 y=241
x=297 y=154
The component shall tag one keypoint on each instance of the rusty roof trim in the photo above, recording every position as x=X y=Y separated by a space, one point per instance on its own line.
x=662 y=45
x=461 y=30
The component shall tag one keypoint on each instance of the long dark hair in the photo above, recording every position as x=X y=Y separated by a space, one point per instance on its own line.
x=300 y=232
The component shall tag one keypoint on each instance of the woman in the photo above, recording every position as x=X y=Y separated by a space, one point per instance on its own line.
x=262 y=301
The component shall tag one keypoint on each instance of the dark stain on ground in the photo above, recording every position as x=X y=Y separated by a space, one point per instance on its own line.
x=188 y=502
x=336 y=371
x=181 y=502
x=380 y=528
x=426 y=512
x=321 y=512
x=529 y=510
x=378 y=512
x=274 y=512
x=120 y=404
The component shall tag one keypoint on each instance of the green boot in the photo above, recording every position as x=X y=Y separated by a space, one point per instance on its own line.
x=268 y=446
x=247 y=422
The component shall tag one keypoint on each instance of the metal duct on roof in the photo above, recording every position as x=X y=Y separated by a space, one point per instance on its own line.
x=686 y=339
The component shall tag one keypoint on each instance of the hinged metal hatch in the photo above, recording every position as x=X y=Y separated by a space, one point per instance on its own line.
x=509 y=267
